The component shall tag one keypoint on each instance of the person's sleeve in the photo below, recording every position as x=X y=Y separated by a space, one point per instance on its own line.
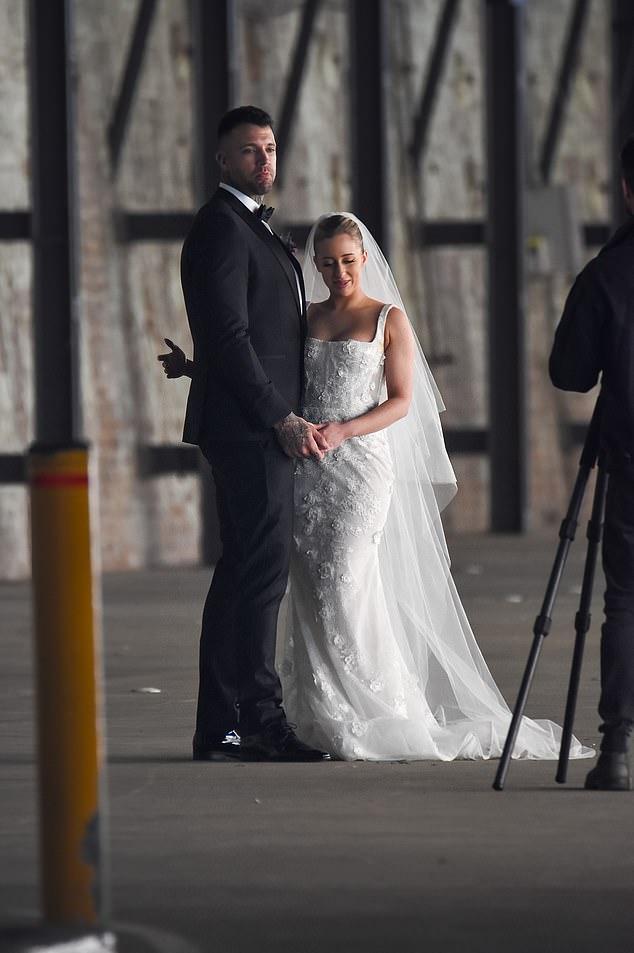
x=219 y=274
x=576 y=358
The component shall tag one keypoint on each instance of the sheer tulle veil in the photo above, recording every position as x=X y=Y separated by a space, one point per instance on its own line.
x=429 y=622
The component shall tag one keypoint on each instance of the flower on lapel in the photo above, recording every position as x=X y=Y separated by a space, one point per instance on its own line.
x=290 y=244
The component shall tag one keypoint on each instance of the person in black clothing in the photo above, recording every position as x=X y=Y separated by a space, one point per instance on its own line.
x=596 y=337
x=246 y=309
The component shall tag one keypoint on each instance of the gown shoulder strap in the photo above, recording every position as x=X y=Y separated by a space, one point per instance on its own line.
x=380 y=324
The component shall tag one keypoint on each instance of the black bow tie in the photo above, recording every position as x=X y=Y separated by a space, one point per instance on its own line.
x=264 y=212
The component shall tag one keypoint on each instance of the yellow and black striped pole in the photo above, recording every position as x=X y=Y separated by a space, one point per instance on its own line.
x=68 y=670
x=68 y=686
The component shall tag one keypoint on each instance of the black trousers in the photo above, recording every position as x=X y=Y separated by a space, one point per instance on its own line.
x=616 y=706
x=239 y=686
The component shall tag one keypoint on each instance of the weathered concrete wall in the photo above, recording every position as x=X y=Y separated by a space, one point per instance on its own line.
x=582 y=162
x=16 y=403
x=130 y=295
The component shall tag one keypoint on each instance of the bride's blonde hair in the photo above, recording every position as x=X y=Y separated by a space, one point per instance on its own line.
x=332 y=225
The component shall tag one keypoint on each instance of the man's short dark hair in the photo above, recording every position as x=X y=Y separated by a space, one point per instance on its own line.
x=243 y=116
x=627 y=161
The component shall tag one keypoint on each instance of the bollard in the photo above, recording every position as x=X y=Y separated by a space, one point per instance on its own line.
x=68 y=690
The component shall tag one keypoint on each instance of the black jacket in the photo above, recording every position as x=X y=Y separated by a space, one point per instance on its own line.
x=247 y=322
x=596 y=336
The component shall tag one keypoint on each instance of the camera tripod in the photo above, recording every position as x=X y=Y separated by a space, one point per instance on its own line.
x=589 y=457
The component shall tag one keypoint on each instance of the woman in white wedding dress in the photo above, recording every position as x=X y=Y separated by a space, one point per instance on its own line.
x=379 y=661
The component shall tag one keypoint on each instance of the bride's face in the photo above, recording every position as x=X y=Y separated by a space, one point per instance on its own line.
x=340 y=260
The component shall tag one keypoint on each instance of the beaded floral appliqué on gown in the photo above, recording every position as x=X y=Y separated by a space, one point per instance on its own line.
x=350 y=683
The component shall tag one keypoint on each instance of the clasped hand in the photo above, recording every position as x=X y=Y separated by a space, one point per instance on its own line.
x=300 y=438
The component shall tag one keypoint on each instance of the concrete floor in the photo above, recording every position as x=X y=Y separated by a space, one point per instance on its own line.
x=332 y=858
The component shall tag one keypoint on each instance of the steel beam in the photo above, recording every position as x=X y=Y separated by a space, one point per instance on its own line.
x=469 y=441
x=570 y=58
x=215 y=60
x=438 y=55
x=57 y=416
x=15 y=226
x=505 y=229
x=622 y=47
x=446 y=232
x=151 y=226
x=121 y=113
x=430 y=234
x=161 y=459
x=369 y=77
x=284 y=127
x=12 y=468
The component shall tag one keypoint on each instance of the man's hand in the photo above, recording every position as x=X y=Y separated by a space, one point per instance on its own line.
x=299 y=438
x=174 y=364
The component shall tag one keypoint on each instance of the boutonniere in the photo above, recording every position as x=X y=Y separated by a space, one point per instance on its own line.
x=291 y=247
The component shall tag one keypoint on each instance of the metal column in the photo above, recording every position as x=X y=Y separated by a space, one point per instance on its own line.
x=505 y=231
x=369 y=79
x=56 y=403
x=214 y=44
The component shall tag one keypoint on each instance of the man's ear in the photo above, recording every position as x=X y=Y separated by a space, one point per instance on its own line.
x=628 y=195
x=221 y=159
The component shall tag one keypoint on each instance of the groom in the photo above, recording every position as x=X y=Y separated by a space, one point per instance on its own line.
x=245 y=303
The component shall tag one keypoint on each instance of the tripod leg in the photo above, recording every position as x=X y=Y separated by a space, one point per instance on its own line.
x=543 y=621
x=582 y=619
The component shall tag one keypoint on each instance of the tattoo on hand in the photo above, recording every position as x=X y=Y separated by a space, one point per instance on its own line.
x=291 y=433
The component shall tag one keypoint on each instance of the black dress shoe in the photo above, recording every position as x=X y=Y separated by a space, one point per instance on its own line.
x=225 y=748
x=612 y=773
x=278 y=742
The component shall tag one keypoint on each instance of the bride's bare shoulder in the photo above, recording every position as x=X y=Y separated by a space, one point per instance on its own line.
x=315 y=316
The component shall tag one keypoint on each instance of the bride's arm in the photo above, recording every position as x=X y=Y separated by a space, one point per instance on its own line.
x=399 y=364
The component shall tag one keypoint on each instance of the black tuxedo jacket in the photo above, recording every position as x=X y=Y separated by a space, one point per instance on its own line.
x=247 y=322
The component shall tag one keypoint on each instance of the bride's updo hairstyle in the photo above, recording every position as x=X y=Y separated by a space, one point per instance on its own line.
x=332 y=225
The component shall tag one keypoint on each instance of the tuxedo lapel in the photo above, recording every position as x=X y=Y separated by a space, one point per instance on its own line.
x=297 y=268
x=274 y=243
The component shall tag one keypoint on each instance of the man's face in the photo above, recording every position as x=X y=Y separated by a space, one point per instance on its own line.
x=247 y=158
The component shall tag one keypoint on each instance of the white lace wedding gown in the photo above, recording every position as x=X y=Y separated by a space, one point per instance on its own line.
x=364 y=676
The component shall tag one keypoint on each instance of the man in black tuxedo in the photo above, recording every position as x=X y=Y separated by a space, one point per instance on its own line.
x=245 y=303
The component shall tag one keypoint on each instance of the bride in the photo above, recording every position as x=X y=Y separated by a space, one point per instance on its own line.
x=379 y=661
